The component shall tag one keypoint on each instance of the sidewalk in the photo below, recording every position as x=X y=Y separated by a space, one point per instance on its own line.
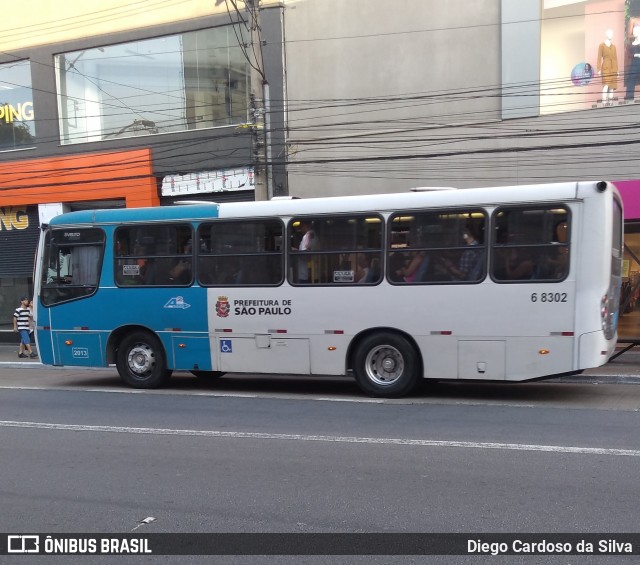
x=9 y=357
x=623 y=370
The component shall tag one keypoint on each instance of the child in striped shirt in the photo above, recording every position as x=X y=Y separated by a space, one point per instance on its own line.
x=22 y=324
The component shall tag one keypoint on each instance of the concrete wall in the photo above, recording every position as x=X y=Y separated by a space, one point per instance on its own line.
x=369 y=78
x=386 y=95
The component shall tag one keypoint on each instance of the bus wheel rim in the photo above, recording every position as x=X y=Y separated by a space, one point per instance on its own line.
x=141 y=359
x=384 y=365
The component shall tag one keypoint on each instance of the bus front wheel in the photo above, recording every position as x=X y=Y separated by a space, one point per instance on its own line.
x=140 y=361
x=386 y=365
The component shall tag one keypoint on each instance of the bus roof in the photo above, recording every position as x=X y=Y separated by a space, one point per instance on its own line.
x=125 y=215
x=334 y=204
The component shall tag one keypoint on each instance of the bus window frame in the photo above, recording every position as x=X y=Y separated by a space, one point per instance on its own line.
x=482 y=248
x=241 y=221
x=49 y=244
x=148 y=256
x=293 y=254
x=551 y=245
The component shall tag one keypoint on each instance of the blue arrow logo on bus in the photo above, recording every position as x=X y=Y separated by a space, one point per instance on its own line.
x=177 y=302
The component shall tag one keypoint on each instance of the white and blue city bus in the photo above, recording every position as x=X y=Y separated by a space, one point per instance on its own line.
x=498 y=284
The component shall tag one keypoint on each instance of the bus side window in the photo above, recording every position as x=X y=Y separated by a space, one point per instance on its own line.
x=335 y=250
x=441 y=247
x=240 y=253
x=531 y=243
x=153 y=255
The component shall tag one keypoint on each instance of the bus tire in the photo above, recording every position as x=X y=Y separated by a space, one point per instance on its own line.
x=386 y=365
x=208 y=375
x=140 y=361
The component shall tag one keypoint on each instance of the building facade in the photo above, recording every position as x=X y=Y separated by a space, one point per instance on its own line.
x=128 y=105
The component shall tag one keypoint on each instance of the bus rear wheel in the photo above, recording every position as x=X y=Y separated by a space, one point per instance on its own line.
x=140 y=361
x=386 y=365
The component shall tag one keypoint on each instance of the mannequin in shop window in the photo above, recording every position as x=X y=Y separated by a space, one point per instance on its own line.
x=608 y=67
x=633 y=75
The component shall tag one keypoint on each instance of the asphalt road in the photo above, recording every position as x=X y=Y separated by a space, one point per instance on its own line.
x=81 y=453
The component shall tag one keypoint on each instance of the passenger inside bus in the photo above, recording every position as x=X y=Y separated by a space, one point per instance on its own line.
x=309 y=242
x=470 y=258
x=519 y=264
x=415 y=269
x=368 y=270
x=559 y=262
x=180 y=273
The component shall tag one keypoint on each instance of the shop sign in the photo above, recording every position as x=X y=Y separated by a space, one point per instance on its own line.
x=19 y=232
x=14 y=218
x=10 y=113
x=208 y=181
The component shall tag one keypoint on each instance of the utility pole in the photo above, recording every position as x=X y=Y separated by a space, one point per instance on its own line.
x=259 y=98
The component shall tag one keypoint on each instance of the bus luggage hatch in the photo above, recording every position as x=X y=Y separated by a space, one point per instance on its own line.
x=270 y=353
x=480 y=359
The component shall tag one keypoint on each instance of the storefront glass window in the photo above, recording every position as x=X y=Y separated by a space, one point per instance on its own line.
x=590 y=54
x=17 y=127
x=189 y=81
x=629 y=320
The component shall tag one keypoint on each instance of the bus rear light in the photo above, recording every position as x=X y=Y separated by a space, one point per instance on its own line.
x=608 y=312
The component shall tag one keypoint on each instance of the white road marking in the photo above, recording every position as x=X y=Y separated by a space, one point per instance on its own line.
x=180 y=392
x=329 y=439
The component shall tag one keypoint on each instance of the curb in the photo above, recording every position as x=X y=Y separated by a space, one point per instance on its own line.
x=618 y=379
x=598 y=380
x=24 y=365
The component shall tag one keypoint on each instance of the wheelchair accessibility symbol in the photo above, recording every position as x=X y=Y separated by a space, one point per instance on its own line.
x=225 y=346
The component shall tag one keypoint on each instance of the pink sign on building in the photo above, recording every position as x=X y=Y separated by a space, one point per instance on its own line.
x=630 y=192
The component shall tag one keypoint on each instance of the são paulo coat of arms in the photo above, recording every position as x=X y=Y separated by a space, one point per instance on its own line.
x=222 y=307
